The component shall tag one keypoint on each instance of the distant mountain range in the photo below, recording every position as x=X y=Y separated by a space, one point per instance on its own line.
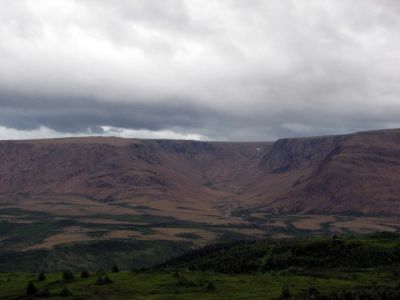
x=345 y=174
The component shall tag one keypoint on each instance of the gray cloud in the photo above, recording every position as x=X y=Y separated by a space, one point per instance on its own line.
x=231 y=70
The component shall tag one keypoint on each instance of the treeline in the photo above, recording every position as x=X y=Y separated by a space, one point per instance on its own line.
x=94 y=255
x=331 y=254
x=296 y=254
x=234 y=257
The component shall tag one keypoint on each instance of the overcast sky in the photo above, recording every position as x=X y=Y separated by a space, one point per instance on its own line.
x=212 y=70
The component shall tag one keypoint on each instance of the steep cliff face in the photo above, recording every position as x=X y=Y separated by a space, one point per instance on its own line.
x=95 y=169
x=111 y=168
x=357 y=173
x=290 y=154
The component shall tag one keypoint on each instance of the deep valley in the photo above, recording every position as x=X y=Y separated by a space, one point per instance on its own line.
x=81 y=196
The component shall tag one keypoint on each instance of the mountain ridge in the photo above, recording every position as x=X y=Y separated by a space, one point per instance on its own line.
x=352 y=173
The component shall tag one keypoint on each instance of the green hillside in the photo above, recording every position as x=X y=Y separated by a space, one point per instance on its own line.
x=365 y=267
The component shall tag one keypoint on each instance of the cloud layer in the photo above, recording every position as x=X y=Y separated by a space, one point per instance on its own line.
x=226 y=70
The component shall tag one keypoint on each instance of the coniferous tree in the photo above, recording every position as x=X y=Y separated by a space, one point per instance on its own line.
x=31 y=289
x=285 y=294
x=107 y=280
x=68 y=275
x=115 y=269
x=41 y=277
x=85 y=274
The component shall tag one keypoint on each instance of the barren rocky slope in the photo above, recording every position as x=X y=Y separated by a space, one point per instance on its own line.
x=357 y=173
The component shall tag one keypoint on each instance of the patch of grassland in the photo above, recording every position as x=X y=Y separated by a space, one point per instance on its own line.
x=310 y=268
x=93 y=255
x=187 y=285
x=24 y=234
x=24 y=214
x=188 y=235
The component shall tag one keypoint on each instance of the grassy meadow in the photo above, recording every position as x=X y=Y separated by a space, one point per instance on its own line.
x=345 y=267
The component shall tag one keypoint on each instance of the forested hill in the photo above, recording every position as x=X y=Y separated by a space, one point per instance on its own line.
x=303 y=255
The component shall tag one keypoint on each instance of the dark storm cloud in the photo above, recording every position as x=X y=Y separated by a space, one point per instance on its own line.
x=78 y=114
x=238 y=70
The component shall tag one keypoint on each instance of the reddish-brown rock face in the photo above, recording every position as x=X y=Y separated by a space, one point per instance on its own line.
x=357 y=173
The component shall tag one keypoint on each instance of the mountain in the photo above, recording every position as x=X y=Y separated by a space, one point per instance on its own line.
x=349 y=174
x=173 y=177
x=93 y=201
x=355 y=173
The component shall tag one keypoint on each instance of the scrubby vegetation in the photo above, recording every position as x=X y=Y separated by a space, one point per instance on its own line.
x=92 y=256
x=329 y=268
x=299 y=255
